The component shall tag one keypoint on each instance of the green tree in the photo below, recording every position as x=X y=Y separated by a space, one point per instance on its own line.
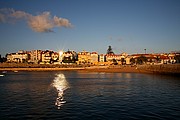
x=110 y=51
x=123 y=61
x=158 y=59
x=177 y=58
x=114 y=62
x=142 y=59
x=132 y=60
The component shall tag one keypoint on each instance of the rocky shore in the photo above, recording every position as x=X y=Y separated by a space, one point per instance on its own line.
x=172 y=69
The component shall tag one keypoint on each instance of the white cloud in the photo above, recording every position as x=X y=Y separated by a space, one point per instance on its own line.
x=39 y=23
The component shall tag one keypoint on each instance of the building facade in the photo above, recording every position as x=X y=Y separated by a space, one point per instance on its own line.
x=94 y=58
x=18 y=57
x=69 y=57
x=35 y=56
x=84 y=57
x=46 y=57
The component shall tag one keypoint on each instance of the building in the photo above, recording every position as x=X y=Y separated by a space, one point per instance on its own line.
x=128 y=60
x=18 y=57
x=35 y=56
x=69 y=57
x=46 y=57
x=84 y=57
x=94 y=58
x=102 y=58
x=111 y=57
x=55 y=56
x=144 y=58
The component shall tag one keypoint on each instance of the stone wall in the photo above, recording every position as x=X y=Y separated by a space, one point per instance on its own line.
x=162 y=69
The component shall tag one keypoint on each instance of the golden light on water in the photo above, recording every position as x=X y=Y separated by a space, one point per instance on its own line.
x=61 y=84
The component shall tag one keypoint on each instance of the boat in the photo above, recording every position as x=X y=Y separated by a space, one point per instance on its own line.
x=1 y=75
x=4 y=72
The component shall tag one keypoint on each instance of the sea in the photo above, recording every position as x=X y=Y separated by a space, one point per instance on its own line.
x=80 y=95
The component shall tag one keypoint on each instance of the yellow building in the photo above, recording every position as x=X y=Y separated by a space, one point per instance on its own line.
x=84 y=57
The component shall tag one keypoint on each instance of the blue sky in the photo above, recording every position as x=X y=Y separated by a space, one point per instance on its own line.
x=127 y=25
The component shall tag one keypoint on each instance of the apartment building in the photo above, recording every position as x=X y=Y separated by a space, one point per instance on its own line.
x=84 y=57
x=18 y=57
x=69 y=56
x=46 y=57
x=35 y=56
x=94 y=58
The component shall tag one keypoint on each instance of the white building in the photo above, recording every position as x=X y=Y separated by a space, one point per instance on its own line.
x=55 y=56
x=120 y=59
x=18 y=57
x=94 y=57
x=35 y=56
x=46 y=57
x=101 y=58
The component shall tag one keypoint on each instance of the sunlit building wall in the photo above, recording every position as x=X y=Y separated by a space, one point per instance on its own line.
x=35 y=56
x=101 y=58
x=84 y=57
x=54 y=56
x=18 y=57
x=94 y=58
x=46 y=57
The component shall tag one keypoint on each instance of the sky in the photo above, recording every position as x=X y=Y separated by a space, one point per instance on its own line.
x=92 y=25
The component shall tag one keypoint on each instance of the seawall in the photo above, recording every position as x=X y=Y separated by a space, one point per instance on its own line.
x=173 y=69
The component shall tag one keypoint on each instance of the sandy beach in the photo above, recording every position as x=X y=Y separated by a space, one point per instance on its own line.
x=85 y=69
x=156 y=69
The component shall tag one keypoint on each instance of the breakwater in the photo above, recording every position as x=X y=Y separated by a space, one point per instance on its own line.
x=161 y=69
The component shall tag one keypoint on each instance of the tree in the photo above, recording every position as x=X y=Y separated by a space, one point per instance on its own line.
x=123 y=61
x=114 y=62
x=142 y=59
x=139 y=61
x=158 y=59
x=132 y=60
x=109 y=51
x=177 y=58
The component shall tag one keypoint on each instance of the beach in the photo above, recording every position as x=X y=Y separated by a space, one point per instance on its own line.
x=155 y=69
x=128 y=69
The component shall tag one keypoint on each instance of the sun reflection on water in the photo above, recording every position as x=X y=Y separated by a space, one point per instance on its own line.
x=61 y=84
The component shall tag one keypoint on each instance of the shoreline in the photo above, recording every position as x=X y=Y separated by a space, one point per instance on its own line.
x=128 y=69
x=146 y=69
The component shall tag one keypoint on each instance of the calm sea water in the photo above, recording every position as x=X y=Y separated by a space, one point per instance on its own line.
x=89 y=96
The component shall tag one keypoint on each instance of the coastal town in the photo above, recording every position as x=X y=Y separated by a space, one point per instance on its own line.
x=70 y=57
